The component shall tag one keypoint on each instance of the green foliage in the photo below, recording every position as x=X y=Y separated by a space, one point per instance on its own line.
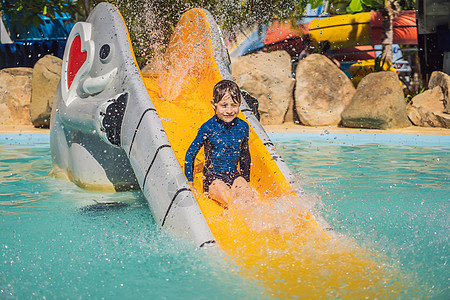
x=315 y=3
x=151 y=23
x=410 y=94
x=353 y=6
x=407 y=4
x=230 y=13
x=27 y=11
x=356 y=6
x=380 y=64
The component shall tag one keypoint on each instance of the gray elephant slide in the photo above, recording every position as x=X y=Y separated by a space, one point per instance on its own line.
x=116 y=129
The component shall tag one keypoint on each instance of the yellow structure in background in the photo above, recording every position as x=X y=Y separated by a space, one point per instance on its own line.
x=276 y=243
x=343 y=31
x=364 y=67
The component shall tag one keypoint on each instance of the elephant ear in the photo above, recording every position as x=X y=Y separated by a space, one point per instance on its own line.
x=77 y=57
x=77 y=61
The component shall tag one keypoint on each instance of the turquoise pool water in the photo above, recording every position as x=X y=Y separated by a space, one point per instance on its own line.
x=390 y=192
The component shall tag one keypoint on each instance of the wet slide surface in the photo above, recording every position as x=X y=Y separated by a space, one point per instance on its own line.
x=276 y=241
x=110 y=122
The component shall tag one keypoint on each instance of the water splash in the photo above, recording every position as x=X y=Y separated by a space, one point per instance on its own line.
x=281 y=214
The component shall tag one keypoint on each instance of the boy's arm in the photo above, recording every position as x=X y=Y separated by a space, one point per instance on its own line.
x=245 y=160
x=191 y=153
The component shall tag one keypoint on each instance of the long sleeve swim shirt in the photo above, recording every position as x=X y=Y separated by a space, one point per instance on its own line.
x=226 y=145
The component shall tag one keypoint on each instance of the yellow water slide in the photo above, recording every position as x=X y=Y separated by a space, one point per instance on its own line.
x=276 y=242
x=114 y=128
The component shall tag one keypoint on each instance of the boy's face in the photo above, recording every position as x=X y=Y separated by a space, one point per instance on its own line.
x=226 y=109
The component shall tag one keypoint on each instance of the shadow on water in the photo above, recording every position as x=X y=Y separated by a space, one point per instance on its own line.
x=103 y=207
x=58 y=240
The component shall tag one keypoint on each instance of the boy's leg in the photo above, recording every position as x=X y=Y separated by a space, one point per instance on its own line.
x=241 y=189
x=220 y=192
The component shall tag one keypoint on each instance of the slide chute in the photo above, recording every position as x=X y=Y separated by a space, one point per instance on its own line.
x=114 y=129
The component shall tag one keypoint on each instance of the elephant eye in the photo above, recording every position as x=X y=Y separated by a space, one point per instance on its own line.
x=104 y=52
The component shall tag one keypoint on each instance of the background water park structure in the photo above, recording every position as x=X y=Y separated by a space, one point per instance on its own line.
x=354 y=43
x=352 y=36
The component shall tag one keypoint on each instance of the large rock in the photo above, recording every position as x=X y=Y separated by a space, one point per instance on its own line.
x=322 y=91
x=377 y=103
x=15 y=95
x=426 y=109
x=46 y=75
x=267 y=77
x=443 y=81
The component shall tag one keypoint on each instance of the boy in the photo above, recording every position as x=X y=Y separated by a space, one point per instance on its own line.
x=225 y=138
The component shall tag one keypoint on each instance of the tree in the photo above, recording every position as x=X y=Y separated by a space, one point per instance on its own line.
x=151 y=23
x=389 y=10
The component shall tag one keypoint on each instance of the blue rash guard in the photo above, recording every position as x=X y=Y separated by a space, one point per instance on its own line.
x=226 y=145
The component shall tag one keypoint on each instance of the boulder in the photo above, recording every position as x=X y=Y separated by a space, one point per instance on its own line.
x=426 y=109
x=443 y=81
x=15 y=96
x=377 y=103
x=267 y=77
x=322 y=91
x=46 y=75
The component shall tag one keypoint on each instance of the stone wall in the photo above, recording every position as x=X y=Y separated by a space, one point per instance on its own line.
x=431 y=108
x=267 y=77
x=321 y=94
x=15 y=96
x=26 y=94
x=378 y=103
x=322 y=91
x=46 y=76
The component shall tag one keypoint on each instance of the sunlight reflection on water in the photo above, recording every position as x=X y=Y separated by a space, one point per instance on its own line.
x=389 y=198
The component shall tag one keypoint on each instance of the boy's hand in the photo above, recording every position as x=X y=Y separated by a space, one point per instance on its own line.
x=223 y=204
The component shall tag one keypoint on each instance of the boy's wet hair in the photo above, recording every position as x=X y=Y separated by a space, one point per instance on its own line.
x=226 y=86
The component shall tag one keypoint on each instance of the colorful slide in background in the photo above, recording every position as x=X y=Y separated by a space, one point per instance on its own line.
x=114 y=129
x=351 y=36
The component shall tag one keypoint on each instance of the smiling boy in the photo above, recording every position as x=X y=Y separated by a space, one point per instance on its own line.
x=225 y=138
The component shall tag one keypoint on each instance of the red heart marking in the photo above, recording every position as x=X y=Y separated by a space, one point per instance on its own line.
x=76 y=60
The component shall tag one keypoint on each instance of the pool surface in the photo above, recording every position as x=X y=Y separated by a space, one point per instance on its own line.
x=388 y=192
